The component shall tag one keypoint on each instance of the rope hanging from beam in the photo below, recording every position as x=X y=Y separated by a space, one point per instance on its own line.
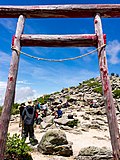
x=58 y=60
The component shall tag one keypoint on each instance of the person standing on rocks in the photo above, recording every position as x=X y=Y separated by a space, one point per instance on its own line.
x=28 y=116
x=59 y=112
x=44 y=109
x=21 y=108
x=21 y=123
x=37 y=105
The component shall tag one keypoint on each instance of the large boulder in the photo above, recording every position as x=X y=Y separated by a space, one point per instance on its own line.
x=55 y=142
x=94 y=153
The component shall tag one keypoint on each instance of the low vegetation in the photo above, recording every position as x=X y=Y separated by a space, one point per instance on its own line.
x=93 y=84
x=89 y=81
x=73 y=123
x=17 y=149
x=15 y=109
x=116 y=93
x=67 y=97
x=44 y=99
x=98 y=89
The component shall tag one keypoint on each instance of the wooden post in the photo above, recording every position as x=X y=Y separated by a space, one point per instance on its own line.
x=110 y=108
x=10 y=91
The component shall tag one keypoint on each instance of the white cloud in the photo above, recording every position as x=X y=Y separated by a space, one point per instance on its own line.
x=2 y=85
x=113 y=49
x=24 y=82
x=2 y=91
x=22 y=93
x=25 y=93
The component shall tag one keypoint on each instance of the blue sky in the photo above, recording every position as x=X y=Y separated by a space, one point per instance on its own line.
x=36 y=78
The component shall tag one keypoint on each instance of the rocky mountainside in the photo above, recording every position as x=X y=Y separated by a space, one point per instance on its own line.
x=86 y=131
x=84 y=93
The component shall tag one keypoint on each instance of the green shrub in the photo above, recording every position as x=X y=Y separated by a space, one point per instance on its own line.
x=84 y=82
x=92 y=79
x=80 y=85
x=56 y=92
x=17 y=149
x=44 y=99
x=89 y=81
x=116 y=93
x=67 y=97
x=15 y=109
x=93 y=84
x=73 y=123
x=98 y=89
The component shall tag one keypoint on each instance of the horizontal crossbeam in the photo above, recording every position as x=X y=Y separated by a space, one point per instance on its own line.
x=61 y=11
x=83 y=40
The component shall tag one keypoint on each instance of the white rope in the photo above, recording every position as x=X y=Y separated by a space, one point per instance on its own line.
x=58 y=60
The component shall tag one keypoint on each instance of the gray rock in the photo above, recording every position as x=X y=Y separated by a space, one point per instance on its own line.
x=86 y=117
x=55 y=142
x=67 y=122
x=94 y=153
x=48 y=119
x=65 y=127
x=44 y=125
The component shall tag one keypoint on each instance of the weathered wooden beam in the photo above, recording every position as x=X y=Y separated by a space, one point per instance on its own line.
x=82 y=40
x=110 y=108
x=61 y=11
x=10 y=90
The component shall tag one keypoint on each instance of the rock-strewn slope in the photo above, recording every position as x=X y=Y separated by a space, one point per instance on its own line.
x=88 y=128
x=86 y=91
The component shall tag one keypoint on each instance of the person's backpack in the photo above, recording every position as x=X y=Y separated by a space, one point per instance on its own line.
x=29 y=115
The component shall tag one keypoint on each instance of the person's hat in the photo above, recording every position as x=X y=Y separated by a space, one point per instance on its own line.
x=29 y=103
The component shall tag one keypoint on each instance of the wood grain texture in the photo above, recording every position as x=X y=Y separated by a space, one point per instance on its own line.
x=10 y=90
x=61 y=11
x=107 y=92
x=83 y=40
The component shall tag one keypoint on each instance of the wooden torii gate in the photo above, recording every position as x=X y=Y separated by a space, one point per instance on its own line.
x=83 y=40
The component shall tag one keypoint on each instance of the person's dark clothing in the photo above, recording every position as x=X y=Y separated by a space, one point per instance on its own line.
x=28 y=116
x=21 y=109
x=38 y=106
x=36 y=117
x=29 y=129
x=59 y=113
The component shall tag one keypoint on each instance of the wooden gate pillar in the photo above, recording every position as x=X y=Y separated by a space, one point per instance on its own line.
x=10 y=90
x=107 y=92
